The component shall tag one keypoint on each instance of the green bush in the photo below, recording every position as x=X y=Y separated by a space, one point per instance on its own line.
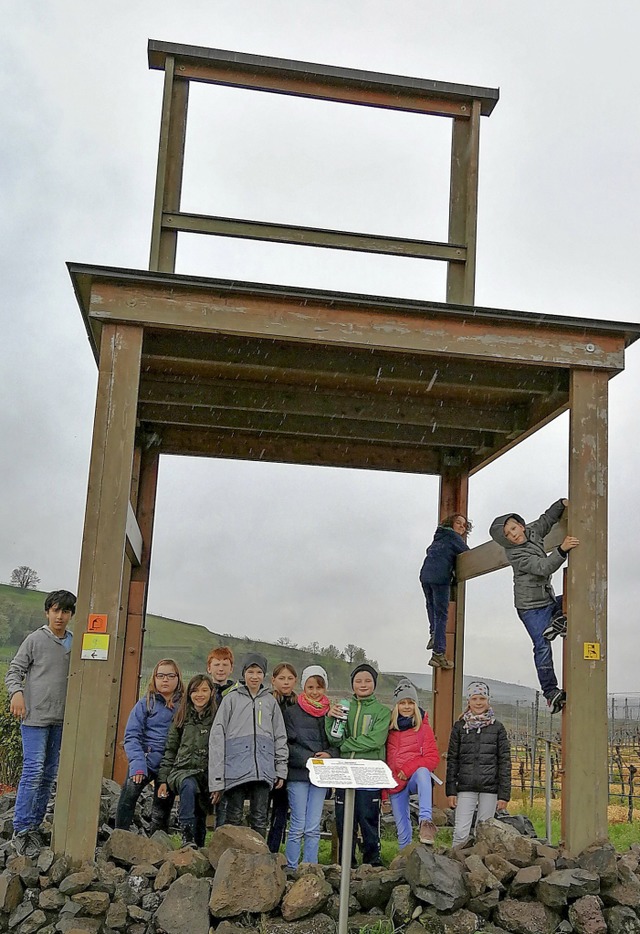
x=10 y=743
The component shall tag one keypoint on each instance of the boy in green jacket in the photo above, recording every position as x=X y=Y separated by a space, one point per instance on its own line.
x=364 y=737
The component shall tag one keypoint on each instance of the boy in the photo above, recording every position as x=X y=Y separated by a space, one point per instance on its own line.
x=248 y=750
x=364 y=737
x=37 y=686
x=220 y=666
x=535 y=601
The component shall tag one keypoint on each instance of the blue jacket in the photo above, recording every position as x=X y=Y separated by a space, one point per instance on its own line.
x=440 y=560
x=146 y=734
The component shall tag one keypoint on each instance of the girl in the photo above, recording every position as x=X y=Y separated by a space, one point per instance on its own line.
x=183 y=769
x=144 y=741
x=412 y=755
x=307 y=738
x=478 y=763
x=436 y=577
x=283 y=681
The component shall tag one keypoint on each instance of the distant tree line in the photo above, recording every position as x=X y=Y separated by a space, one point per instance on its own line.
x=353 y=654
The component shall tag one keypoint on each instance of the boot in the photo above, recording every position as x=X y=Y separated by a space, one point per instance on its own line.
x=186 y=834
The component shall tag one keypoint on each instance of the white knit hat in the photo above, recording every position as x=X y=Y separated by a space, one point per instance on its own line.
x=314 y=671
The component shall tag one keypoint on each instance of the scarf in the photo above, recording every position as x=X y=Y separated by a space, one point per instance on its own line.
x=408 y=723
x=477 y=721
x=314 y=708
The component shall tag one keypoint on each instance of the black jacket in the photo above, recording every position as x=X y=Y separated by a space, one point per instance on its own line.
x=440 y=561
x=479 y=761
x=306 y=736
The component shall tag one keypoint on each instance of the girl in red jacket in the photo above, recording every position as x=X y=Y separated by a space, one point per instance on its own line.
x=412 y=755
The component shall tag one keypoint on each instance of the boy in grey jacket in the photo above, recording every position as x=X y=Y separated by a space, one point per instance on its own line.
x=248 y=749
x=37 y=684
x=535 y=601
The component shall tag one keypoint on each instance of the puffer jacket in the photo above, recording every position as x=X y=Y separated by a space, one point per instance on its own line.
x=410 y=750
x=479 y=760
x=187 y=751
x=306 y=737
x=146 y=734
x=440 y=561
x=532 y=566
x=248 y=741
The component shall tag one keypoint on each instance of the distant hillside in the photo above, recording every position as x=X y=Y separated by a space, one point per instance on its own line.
x=502 y=692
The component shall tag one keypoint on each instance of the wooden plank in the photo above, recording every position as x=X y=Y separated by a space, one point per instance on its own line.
x=277 y=317
x=488 y=557
x=463 y=205
x=584 y=748
x=100 y=591
x=312 y=236
x=326 y=453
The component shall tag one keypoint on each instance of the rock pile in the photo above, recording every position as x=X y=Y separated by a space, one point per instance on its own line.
x=504 y=882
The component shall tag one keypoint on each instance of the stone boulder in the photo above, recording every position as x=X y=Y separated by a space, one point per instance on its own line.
x=237 y=838
x=436 y=880
x=622 y=920
x=306 y=897
x=246 y=882
x=524 y=881
x=586 y=916
x=375 y=890
x=401 y=905
x=558 y=887
x=191 y=861
x=500 y=867
x=505 y=841
x=10 y=891
x=526 y=917
x=132 y=848
x=478 y=877
x=185 y=907
x=602 y=861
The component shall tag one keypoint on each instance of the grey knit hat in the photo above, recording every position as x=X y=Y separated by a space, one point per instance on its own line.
x=405 y=690
x=254 y=658
x=478 y=687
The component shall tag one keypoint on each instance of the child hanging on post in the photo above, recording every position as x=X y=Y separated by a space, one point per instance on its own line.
x=436 y=576
x=535 y=601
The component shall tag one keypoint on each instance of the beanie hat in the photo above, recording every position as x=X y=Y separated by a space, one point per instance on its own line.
x=405 y=690
x=514 y=515
x=254 y=658
x=478 y=687
x=365 y=667
x=314 y=671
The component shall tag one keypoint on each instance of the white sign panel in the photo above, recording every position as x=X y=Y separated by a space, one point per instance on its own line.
x=350 y=773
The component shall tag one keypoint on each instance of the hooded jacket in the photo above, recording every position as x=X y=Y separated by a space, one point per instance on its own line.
x=248 y=741
x=146 y=733
x=532 y=566
x=366 y=731
x=187 y=750
x=440 y=560
x=410 y=750
x=479 y=760
x=40 y=669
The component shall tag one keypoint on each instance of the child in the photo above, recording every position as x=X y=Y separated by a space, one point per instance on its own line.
x=183 y=769
x=145 y=737
x=283 y=680
x=304 y=721
x=219 y=667
x=248 y=747
x=536 y=603
x=364 y=737
x=37 y=685
x=412 y=755
x=436 y=577
x=478 y=763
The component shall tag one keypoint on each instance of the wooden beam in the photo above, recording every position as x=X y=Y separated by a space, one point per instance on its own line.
x=201 y=310
x=463 y=205
x=488 y=557
x=584 y=748
x=100 y=591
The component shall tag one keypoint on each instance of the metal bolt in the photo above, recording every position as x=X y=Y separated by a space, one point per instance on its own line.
x=590 y=348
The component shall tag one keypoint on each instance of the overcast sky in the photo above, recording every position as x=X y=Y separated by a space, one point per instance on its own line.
x=315 y=554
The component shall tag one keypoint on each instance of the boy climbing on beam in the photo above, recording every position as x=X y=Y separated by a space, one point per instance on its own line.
x=535 y=601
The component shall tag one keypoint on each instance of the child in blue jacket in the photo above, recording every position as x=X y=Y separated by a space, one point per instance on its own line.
x=436 y=577
x=144 y=740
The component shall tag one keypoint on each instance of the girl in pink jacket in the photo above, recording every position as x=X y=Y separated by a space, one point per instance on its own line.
x=412 y=755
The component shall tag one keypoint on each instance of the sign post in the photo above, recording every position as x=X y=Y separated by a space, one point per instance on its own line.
x=349 y=774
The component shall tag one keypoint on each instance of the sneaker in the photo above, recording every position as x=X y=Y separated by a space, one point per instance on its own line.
x=430 y=643
x=24 y=845
x=557 y=701
x=439 y=660
x=428 y=831
x=557 y=627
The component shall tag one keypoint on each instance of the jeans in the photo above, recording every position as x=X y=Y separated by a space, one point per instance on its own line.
x=279 y=814
x=306 y=802
x=437 y=599
x=535 y=622
x=258 y=794
x=41 y=754
x=420 y=784
x=191 y=814
x=465 y=809
x=367 y=818
x=129 y=795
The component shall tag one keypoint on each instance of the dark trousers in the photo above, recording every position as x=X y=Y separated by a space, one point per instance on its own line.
x=129 y=795
x=535 y=622
x=258 y=795
x=437 y=599
x=279 y=814
x=192 y=813
x=367 y=819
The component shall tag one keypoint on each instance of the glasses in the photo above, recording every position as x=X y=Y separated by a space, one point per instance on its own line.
x=166 y=677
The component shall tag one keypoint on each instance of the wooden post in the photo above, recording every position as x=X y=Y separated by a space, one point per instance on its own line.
x=137 y=605
x=584 y=789
x=448 y=685
x=99 y=591
x=463 y=204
